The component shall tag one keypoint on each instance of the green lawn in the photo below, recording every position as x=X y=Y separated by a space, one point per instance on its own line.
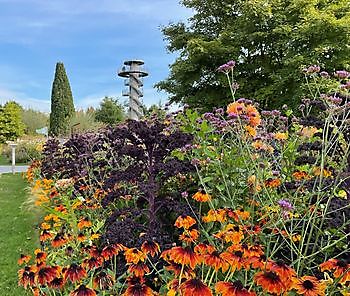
x=17 y=235
x=6 y=161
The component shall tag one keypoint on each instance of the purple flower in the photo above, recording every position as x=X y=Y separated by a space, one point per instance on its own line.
x=235 y=86
x=342 y=74
x=184 y=194
x=285 y=205
x=312 y=69
x=225 y=68
x=324 y=74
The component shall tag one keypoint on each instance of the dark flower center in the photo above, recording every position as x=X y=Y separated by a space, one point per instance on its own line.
x=238 y=285
x=272 y=276
x=308 y=285
x=236 y=228
x=342 y=263
x=239 y=254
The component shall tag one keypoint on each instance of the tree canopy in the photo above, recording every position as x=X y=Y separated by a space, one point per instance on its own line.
x=270 y=40
x=110 y=111
x=11 y=125
x=62 y=106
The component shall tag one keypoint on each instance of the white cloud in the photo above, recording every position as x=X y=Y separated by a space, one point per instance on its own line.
x=25 y=101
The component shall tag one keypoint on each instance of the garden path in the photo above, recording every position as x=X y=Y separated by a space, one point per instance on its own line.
x=8 y=169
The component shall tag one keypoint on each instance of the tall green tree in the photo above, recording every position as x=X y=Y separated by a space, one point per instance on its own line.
x=110 y=111
x=271 y=41
x=11 y=125
x=62 y=106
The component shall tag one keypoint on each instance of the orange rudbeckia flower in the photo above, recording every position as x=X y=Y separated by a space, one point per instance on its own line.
x=232 y=289
x=23 y=259
x=134 y=255
x=150 y=247
x=189 y=236
x=270 y=281
x=82 y=290
x=201 y=196
x=102 y=281
x=184 y=256
x=46 y=274
x=139 y=269
x=309 y=286
x=195 y=287
x=340 y=268
x=216 y=261
x=110 y=251
x=185 y=222
x=74 y=273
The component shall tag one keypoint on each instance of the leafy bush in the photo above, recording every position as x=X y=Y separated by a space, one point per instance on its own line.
x=34 y=120
x=83 y=121
x=26 y=151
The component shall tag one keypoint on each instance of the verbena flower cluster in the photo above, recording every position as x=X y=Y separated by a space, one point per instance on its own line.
x=240 y=201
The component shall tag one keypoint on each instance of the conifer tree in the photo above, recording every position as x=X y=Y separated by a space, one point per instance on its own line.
x=62 y=106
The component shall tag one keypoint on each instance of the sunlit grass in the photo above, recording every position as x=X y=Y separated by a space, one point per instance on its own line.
x=17 y=235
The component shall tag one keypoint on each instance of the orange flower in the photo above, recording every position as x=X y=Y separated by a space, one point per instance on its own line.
x=59 y=240
x=102 y=281
x=150 y=247
x=185 y=222
x=183 y=256
x=189 y=236
x=45 y=235
x=284 y=271
x=187 y=272
x=301 y=175
x=216 y=261
x=257 y=261
x=139 y=269
x=82 y=290
x=26 y=277
x=194 y=287
x=46 y=274
x=341 y=269
x=134 y=255
x=74 y=273
x=201 y=196
x=137 y=287
x=272 y=183
x=309 y=286
x=81 y=237
x=56 y=283
x=111 y=250
x=40 y=257
x=251 y=131
x=84 y=222
x=253 y=114
x=23 y=259
x=235 y=108
x=270 y=282
x=231 y=233
x=202 y=249
x=92 y=262
x=281 y=136
x=215 y=216
x=235 y=259
x=45 y=226
x=232 y=289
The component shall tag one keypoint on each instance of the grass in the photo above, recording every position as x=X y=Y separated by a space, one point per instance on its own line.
x=6 y=161
x=18 y=234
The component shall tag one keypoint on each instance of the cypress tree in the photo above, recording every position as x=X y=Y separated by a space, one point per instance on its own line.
x=62 y=106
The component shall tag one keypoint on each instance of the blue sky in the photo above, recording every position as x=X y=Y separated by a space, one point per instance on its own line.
x=91 y=37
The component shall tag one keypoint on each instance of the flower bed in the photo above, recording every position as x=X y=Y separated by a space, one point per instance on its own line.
x=234 y=202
